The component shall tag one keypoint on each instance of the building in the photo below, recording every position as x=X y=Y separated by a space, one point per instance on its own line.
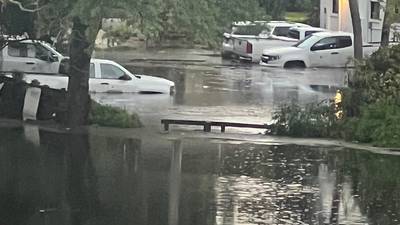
x=335 y=15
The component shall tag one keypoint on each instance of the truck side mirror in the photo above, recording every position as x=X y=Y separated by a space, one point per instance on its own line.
x=49 y=58
x=53 y=58
x=125 y=77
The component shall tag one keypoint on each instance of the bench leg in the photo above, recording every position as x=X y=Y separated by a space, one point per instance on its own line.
x=166 y=126
x=222 y=129
x=207 y=127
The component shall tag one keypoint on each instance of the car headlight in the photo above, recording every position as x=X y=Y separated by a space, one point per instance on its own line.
x=271 y=57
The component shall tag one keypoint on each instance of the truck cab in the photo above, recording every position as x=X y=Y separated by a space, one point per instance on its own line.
x=300 y=33
x=30 y=56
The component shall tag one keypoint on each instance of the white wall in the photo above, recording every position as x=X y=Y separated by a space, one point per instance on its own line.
x=372 y=29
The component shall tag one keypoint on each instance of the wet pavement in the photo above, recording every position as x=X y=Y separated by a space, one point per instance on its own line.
x=208 y=88
x=142 y=176
x=57 y=178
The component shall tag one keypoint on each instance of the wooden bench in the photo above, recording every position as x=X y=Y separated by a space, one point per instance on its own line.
x=208 y=124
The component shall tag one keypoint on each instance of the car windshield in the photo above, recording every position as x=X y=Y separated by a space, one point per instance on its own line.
x=306 y=42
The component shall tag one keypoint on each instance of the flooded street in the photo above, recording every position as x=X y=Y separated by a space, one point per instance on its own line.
x=55 y=178
x=208 y=88
x=145 y=177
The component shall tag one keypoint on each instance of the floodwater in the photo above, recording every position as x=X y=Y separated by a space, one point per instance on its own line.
x=144 y=177
x=208 y=88
x=69 y=179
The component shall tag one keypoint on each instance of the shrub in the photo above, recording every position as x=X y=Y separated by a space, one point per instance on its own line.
x=315 y=120
x=113 y=117
x=379 y=124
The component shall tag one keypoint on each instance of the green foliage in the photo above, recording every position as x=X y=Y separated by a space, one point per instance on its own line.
x=378 y=78
x=14 y=21
x=298 y=17
x=299 y=5
x=122 y=32
x=275 y=8
x=199 y=22
x=254 y=29
x=312 y=121
x=112 y=117
x=379 y=124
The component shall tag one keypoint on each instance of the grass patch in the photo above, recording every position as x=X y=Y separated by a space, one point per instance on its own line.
x=108 y=116
x=299 y=17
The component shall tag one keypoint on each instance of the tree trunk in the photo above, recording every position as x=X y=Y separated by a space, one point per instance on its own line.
x=78 y=85
x=357 y=29
x=386 y=27
x=82 y=42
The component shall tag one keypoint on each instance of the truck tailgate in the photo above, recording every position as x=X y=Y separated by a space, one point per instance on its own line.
x=251 y=49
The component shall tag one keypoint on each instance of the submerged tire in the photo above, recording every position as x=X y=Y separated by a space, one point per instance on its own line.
x=295 y=64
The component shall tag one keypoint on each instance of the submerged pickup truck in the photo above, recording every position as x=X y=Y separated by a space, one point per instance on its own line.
x=324 y=49
x=281 y=35
x=38 y=61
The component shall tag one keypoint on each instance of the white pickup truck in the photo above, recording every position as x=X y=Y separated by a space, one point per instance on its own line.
x=324 y=49
x=42 y=63
x=281 y=35
x=242 y=30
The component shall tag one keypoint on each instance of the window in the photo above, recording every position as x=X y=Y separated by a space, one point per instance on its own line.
x=335 y=6
x=333 y=43
x=18 y=50
x=375 y=10
x=109 y=71
x=308 y=33
x=92 y=73
x=344 y=42
x=281 y=31
x=28 y=50
x=324 y=44
x=294 y=34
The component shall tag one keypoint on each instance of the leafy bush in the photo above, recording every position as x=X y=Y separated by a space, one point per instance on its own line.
x=379 y=124
x=113 y=117
x=314 y=120
x=378 y=78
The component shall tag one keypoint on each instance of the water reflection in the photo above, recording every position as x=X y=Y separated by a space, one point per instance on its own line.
x=76 y=179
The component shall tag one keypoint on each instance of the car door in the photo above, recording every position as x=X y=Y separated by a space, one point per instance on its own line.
x=345 y=50
x=28 y=58
x=112 y=80
x=325 y=53
x=19 y=57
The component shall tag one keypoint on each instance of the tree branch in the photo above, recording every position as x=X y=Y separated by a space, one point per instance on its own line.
x=21 y=7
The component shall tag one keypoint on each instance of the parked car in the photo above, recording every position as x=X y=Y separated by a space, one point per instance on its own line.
x=107 y=76
x=250 y=48
x=42 y=63
x=324 y=49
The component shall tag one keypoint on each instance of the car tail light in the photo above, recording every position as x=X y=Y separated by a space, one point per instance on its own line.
x=249 y=48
